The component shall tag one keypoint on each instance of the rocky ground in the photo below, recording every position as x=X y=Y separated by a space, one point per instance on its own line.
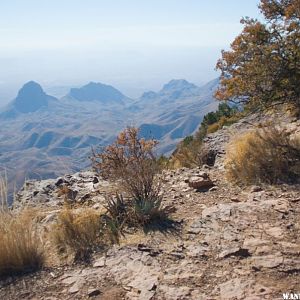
x=229 y=243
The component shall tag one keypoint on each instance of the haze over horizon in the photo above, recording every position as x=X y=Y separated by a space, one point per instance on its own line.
x=131 y=45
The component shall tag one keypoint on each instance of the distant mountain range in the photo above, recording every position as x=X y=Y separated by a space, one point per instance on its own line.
x=43 y=137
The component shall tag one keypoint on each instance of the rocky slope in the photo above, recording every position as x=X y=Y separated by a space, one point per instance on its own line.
x=230 y=243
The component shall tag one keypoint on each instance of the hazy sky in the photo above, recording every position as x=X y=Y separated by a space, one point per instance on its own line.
x=135 y=45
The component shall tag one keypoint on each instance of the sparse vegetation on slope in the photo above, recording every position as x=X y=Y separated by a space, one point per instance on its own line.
x=191 y=152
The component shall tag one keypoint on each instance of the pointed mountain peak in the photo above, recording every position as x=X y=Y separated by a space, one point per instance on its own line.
x=31 y=97
x=178 y=84
x=30 y=88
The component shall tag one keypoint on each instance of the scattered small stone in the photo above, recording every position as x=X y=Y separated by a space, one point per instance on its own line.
x=93 y=292
x=200 y=183
x=100 y=263
x=202 y=174
x=234 y=288
x=85 y=197
x=74 y=289
x=237 y=252
x=276 y=232
x=255 y=189
x=178 y=255
x=235 y=199
x=295 y=200
x=59 y=181
x=72 y=194
x=95 y=180
x=96 y=206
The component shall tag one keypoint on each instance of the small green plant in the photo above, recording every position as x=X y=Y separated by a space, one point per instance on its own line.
x=117 y=209
x=148 y=211
x=138 y=213
x=225 y=115
x=163 y=162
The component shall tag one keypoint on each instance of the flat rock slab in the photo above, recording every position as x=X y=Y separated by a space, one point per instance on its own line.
x=267 y=261
x=200 y=183
x=136 y=270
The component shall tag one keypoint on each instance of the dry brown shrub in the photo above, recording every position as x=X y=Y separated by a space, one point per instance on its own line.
x=131 y=160
x=269 y=155
x=21 y=248
x=80 y=233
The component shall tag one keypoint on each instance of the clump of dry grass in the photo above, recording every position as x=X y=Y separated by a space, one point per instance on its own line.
x=3 y=192
x=269 y=155
x=21 y=249
x=81 y=233
x=130 y=160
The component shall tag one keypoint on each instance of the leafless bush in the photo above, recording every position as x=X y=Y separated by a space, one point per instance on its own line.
x=131 y=160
